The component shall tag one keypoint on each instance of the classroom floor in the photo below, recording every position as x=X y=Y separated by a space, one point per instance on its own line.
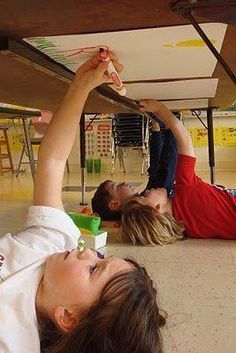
x=196 y=279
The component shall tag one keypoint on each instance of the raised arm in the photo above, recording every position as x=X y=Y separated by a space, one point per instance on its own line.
x=61 y=133
x=181 y=134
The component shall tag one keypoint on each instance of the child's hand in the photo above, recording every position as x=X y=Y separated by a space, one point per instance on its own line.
x=155 y=126
x=150 y=105
x=93 y=72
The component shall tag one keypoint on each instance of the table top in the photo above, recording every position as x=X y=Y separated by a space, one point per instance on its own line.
x=26 y=83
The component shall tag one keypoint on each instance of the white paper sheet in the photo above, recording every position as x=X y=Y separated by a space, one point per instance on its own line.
x=201 y=88
x=187 y=104
x=159 y=53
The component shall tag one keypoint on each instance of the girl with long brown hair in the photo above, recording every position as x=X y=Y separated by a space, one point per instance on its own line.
x=54 y=298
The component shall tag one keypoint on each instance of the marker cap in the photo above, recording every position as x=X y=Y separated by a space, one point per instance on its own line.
x=122 y=91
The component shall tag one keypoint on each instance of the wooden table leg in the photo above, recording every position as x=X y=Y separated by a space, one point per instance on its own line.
x=8 y=150
x=28 y=145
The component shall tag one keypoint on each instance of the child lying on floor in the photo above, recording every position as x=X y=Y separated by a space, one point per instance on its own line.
x=110 y=196
x=198 y=209
x=54 y=298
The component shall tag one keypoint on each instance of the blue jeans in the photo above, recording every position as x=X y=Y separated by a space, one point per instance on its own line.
x=163 y=157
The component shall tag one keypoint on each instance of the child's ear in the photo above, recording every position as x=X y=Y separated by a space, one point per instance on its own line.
x=65 y=318
x=114 y=205
x=160 y=209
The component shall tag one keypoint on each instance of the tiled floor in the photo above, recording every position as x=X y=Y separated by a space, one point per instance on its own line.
x=196 y=280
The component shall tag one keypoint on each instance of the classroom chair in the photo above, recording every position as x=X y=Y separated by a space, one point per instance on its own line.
x=129 y=131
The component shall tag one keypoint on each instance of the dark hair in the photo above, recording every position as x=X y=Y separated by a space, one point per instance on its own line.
x=126 y=319
x=100 y=202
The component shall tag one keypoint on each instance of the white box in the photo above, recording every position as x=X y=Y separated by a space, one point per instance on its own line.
x=94 y=241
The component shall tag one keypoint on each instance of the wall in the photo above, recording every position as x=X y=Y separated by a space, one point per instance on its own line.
x=225 y=156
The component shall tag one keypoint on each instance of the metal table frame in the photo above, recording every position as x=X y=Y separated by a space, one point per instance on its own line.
x=210 y=133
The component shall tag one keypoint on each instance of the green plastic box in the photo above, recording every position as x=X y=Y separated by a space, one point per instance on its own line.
x=91 y=223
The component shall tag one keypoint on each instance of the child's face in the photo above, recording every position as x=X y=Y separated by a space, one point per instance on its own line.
x=154 y=197
x=77 y=278
x=120 y=191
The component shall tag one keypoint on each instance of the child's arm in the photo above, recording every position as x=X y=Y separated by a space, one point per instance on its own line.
x=60 y=135
x=181 y=134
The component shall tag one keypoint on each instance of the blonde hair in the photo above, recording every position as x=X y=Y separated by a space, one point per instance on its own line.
x=143 y=224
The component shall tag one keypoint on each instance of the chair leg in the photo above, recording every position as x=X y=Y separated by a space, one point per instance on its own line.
x=8 y=150
x=113 y=162
x=121 y=158
x=67 y=166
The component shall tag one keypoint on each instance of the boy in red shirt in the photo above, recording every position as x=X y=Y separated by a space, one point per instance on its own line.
x=198 y=209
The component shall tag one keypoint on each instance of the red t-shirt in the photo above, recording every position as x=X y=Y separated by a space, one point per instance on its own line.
x=206 y=210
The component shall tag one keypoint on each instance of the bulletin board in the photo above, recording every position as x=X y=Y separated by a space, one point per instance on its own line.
x=223 y=136
x=228 y=136
x=200 y=137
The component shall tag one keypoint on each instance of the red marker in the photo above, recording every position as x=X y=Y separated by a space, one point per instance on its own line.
x=112 y=72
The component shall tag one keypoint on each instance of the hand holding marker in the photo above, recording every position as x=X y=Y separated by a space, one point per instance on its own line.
x=112 y=72
x=103 y=56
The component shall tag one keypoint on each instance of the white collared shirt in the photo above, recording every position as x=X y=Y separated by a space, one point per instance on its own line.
x=22 y=260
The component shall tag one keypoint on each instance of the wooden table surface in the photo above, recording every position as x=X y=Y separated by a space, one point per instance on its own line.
x=23 y=83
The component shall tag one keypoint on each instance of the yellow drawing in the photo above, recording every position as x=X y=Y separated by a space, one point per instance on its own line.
x=193 y=43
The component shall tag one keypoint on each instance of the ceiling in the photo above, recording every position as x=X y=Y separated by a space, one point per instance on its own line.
x=29 y=84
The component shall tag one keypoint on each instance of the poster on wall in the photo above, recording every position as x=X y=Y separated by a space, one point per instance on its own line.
x=223 y=136
x=200 y=137
x=98 y=140
x=228 y=136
